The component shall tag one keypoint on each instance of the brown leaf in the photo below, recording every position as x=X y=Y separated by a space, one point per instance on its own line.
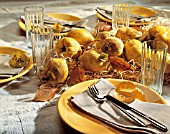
x=77 y=75
x=45 y=93
x=119 y=64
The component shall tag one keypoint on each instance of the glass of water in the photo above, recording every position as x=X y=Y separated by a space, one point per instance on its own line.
x=34 y=16
x=42 y=44
x=153 y=63
x=120 y=15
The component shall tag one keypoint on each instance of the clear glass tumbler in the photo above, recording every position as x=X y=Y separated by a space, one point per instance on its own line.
x=120 y=15
x=153 y=62
x=34 y=16
x=42 y=44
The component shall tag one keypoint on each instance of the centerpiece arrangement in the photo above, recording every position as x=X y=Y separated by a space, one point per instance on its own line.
x=101 y=53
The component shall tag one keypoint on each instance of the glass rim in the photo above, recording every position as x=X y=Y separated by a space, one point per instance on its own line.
x=122 y=5
x=36 y=9
x=165 y=45
x=50 y=30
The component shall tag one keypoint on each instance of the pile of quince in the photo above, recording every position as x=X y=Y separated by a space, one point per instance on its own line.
x=100 y=50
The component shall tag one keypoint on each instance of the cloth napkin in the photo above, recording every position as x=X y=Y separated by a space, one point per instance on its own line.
x=110 y=114
x=5 y=69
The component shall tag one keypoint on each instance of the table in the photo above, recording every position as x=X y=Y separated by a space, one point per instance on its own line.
x=18 y=113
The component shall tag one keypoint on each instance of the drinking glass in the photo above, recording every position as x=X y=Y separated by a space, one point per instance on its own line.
x=153 y=62
x=42 y=44
x=120 y=15
x=34 y=16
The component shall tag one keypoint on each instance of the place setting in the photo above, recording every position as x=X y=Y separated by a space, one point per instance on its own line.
x=139 y=15
x=11 y=65
x=60 y=22
x=108 y=78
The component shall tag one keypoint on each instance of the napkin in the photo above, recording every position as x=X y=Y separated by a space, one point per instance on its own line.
x=111 y=115
x=5 y=69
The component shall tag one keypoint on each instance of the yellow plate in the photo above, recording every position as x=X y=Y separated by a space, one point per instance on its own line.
x=10 y=50
x=66 y=17
x=83 y=122
x=59 y=16
x=136 y=10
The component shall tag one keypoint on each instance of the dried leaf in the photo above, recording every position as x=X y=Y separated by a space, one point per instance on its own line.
x=119 y=64
x=77 y=75
x=45 y=93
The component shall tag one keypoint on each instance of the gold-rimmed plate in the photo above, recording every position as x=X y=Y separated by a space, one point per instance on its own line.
x=135 y=10
x=58 y=16
x=10 y=50
x=84 y=123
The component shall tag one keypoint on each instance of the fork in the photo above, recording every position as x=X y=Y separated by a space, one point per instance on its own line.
x=94 y=93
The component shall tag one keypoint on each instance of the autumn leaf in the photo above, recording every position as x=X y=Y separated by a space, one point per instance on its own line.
x=45 y=93
x=77 y=75
x=119 y=64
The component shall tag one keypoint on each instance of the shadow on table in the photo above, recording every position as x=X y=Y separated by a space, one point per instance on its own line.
x=48 y=121
x=26 y=84
x=14 y=31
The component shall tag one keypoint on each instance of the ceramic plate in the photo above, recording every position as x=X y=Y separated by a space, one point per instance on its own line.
x=10 y=50
x=83 y=122
x=136 y=10
x=59 y=16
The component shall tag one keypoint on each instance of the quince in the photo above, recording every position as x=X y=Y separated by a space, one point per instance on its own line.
x=94 y=60
x=133 y=50
x=56 y=70
x=19 y=59
x=160 y=33
x=112 y=46
x=127 y=92
x=128 y=33
x=82 y=36
x=68 y=47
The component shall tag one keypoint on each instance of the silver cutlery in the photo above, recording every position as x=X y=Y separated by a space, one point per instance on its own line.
x=97 y=97
x=5 y=76
x=108 y=13
x=50 y=22
x=94 y=93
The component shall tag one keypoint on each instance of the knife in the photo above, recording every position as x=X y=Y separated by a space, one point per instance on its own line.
x=126 y=107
